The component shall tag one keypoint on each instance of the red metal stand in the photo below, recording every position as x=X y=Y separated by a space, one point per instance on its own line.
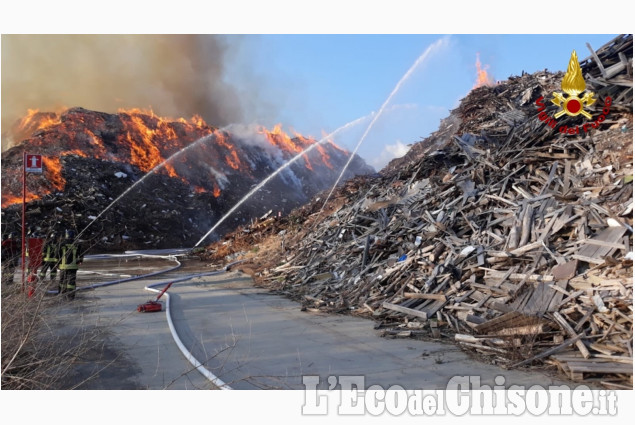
x=153 y=305
x=23 y=217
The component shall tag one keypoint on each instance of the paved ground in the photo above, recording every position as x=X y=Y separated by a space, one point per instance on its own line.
x=248 y=337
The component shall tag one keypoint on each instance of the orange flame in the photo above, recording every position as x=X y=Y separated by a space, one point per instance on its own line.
x=198 y=122
x=231 y=158
x=150 y=140
x=96 y=141
x=53 y=168
x=8 y=199
x=482 y=77
x=333 y=145
x=277 y=137
x=326 y=158
x=54 y=172
x=146 y=154
x=305 y=143
x=34 y=121
x=147 y=141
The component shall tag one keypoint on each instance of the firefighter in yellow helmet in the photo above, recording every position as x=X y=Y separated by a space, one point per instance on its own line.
x=71 y=256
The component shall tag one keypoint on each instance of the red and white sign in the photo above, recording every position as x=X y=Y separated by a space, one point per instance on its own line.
x=33 y=163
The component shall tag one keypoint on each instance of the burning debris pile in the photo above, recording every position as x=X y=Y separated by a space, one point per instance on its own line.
x=91 y=158
x=498 y=231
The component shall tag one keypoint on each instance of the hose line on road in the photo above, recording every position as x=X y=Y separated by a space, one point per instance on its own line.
x=127 y=279
x=188 y=355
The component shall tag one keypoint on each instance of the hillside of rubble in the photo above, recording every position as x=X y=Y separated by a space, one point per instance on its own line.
x=507 y=231
x=184 y=175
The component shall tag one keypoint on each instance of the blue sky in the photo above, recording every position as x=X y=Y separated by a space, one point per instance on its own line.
x=317 y=83
x=351 y=56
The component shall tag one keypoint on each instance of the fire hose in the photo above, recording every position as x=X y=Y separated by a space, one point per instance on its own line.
x=128 y=279
x=188 y=355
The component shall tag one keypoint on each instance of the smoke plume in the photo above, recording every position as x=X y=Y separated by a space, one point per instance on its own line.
x=175 y=75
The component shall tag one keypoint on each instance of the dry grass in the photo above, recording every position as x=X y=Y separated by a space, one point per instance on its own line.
x=33 y=356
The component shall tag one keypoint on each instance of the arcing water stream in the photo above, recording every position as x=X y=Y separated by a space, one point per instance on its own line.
x=280 y=169
x=149 y=173
x=433 y=47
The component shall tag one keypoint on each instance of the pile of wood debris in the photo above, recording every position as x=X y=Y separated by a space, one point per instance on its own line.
x=92 y=158
x=498 y=231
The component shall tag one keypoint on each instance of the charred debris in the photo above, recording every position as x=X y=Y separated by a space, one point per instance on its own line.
x=91 y=158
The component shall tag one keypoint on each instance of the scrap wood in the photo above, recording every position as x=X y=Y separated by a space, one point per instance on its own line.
x=495 y=223
x=548 y=352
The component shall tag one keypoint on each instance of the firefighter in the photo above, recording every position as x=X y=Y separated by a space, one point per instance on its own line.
x=51 y=257
x=11 y=251
x=71 y=257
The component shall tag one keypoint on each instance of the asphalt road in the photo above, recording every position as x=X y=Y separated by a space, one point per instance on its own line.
x=246 y=336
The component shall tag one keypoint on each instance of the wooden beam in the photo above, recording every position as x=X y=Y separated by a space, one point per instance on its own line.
x=549 y=352
x=439 y=297
x=405 y=310
x=568 y=329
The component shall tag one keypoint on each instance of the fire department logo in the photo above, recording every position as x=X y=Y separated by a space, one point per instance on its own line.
x=573 y=84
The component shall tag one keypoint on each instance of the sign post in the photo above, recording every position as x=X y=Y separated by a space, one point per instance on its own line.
x=31 y=164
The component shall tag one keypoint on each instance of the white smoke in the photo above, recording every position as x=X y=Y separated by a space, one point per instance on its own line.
x=221 y=179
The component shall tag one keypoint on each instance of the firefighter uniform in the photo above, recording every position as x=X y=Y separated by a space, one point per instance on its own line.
x=51 y=257
x=70 y=259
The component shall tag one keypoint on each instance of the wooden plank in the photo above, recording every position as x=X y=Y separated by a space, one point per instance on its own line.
x=490 y=289
x=562 y=272
x=610 y=234
x=616 y=359
x=564 y=219
x=567 y=177
x=491 y=273
x=602 y=243
x=569 y=330
x=565 y=271
x=522 y=297
x=506 y=276
x=584 y=318
x=600 y=367
x=557 y=296
x=439 y=297
x=615 y=69
x=527 y=222
x=548 y=352
x=526 y=248
x=405 y=310
x=552 y=174
x=540 y=299
x=434 y=307
x=511 y=319
x=588 y=259
x=474 y=319
x=597 y=60
x=484 y=347
x=522 y=330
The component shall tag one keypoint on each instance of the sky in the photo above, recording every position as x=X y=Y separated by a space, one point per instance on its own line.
x=311 y=84
x=320 y=82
